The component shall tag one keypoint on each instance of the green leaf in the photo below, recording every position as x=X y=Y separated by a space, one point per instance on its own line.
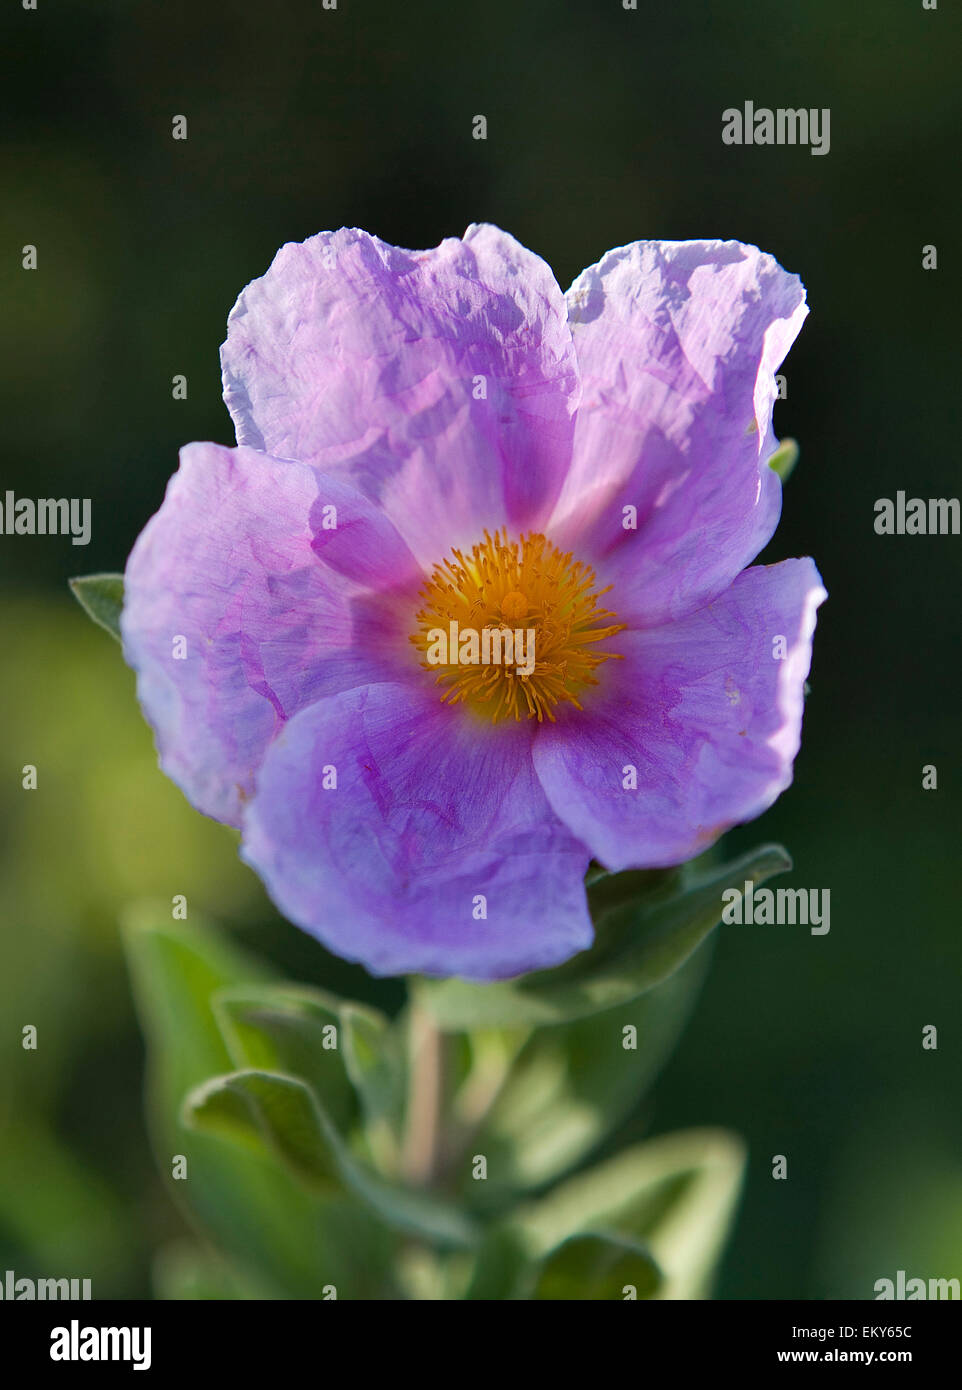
x=347 y=1053
x=182 y=1270
x=675 y=1195
x=374 y=1063
x=500 y=1264
x=572 y=1084
x=291 y=1029
x=256 y=1108
x=594 y=1266
x=286 y=1241
x=647 y=926
x=784 y=459
x=101 y=596
x=252 y=1107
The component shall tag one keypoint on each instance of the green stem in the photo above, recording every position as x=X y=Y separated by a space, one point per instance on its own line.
x=423 y=1123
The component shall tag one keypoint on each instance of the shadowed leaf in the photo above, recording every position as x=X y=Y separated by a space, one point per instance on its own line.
x=101 y=596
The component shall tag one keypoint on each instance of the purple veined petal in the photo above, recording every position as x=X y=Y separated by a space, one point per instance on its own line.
x=442 y=383
x=677 y=346
x=704 y=709
x=241 y=607
x=433 y=816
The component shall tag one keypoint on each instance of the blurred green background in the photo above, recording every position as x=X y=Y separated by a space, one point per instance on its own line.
x=603 y=126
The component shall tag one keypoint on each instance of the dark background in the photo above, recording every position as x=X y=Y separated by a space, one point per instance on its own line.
x=604 y=126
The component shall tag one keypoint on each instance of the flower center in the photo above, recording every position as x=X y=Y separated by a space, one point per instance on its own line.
x=510 y=629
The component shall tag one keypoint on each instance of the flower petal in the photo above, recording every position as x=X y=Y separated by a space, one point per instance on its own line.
x=272 y=609
x=432 y=812
x=706 y=713
x=677 y=346
x=356 y=353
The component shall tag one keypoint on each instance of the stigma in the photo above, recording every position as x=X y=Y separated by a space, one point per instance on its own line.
x=512 y=630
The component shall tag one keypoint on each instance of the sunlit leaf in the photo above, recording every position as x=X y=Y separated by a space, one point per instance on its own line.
x=595 y=1266
x=784 y=459
x=675 y=1195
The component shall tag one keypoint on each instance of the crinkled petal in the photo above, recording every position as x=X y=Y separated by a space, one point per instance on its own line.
x=442 y=382
x=677 y=346
x=242 y=606
x=706 y=713
x=434 y=817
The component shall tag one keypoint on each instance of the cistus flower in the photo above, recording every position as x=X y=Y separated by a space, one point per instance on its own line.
x=428 y=438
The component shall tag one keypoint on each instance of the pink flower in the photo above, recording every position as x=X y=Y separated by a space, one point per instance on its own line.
x=438 y=436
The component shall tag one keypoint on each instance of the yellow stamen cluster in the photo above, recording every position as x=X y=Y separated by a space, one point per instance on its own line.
x=528 y=584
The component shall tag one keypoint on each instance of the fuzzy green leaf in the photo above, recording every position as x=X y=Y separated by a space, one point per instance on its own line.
x=256 y=1108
